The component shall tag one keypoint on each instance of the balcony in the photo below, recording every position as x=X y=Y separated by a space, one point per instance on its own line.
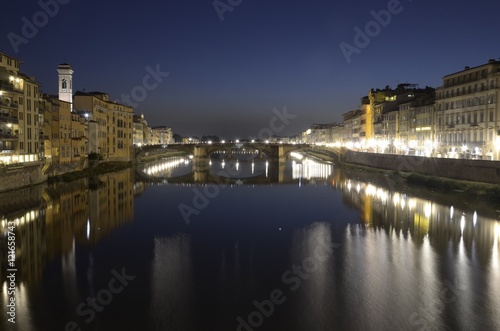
x=8 y=118
x=5 y=85
x=8 y=104
x=6 y=136
x=477 y=125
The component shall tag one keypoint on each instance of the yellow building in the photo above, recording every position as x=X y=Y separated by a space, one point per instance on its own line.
x=47 y=105
x=113 y=124
x=19 y=118
x=141 y=131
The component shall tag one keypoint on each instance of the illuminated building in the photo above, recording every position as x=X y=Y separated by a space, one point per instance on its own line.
x=140 y=131
x=19 y=118
x=161 y=135
x=467 y=112
x=109 y=122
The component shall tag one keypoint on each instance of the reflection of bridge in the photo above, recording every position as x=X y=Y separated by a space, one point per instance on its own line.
x=274 y=151
x=204 y=171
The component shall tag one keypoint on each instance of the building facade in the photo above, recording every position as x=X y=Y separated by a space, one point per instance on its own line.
x=468 y=114
x=19 y=117
x=109 y=122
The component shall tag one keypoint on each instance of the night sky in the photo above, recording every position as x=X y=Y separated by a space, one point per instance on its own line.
x=226 y=77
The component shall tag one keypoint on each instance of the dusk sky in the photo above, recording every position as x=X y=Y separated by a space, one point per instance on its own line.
x=226 y=77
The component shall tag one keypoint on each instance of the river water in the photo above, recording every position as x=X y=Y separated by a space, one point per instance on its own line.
x=246 y=244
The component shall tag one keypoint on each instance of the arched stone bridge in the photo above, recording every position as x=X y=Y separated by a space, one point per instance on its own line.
x=278 y=151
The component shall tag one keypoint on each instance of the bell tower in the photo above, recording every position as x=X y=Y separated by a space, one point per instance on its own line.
x=65 y=83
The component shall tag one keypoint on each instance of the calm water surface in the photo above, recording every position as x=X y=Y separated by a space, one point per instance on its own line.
x=259 y=246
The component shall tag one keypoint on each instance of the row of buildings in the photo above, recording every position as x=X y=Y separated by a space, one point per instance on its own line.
x=68 y=127
x=460 y=119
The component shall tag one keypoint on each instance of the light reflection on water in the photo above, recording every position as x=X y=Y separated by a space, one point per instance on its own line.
x=397 y=253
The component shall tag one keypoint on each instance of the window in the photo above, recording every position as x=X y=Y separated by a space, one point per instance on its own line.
x=491 y=116
x=64 y=84
x=481 y=116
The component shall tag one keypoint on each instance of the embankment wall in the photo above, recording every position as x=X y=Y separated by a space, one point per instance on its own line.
x=465 y=169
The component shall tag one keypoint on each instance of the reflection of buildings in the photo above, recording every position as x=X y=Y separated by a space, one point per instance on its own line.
x=24 y=208
x=172 y=274
x=110 y=206
x=401 y=214
x=50 y=219
x=313 y=247
x=65 y=216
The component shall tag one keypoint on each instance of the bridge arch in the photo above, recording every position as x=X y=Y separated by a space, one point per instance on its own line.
x=280 y=151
